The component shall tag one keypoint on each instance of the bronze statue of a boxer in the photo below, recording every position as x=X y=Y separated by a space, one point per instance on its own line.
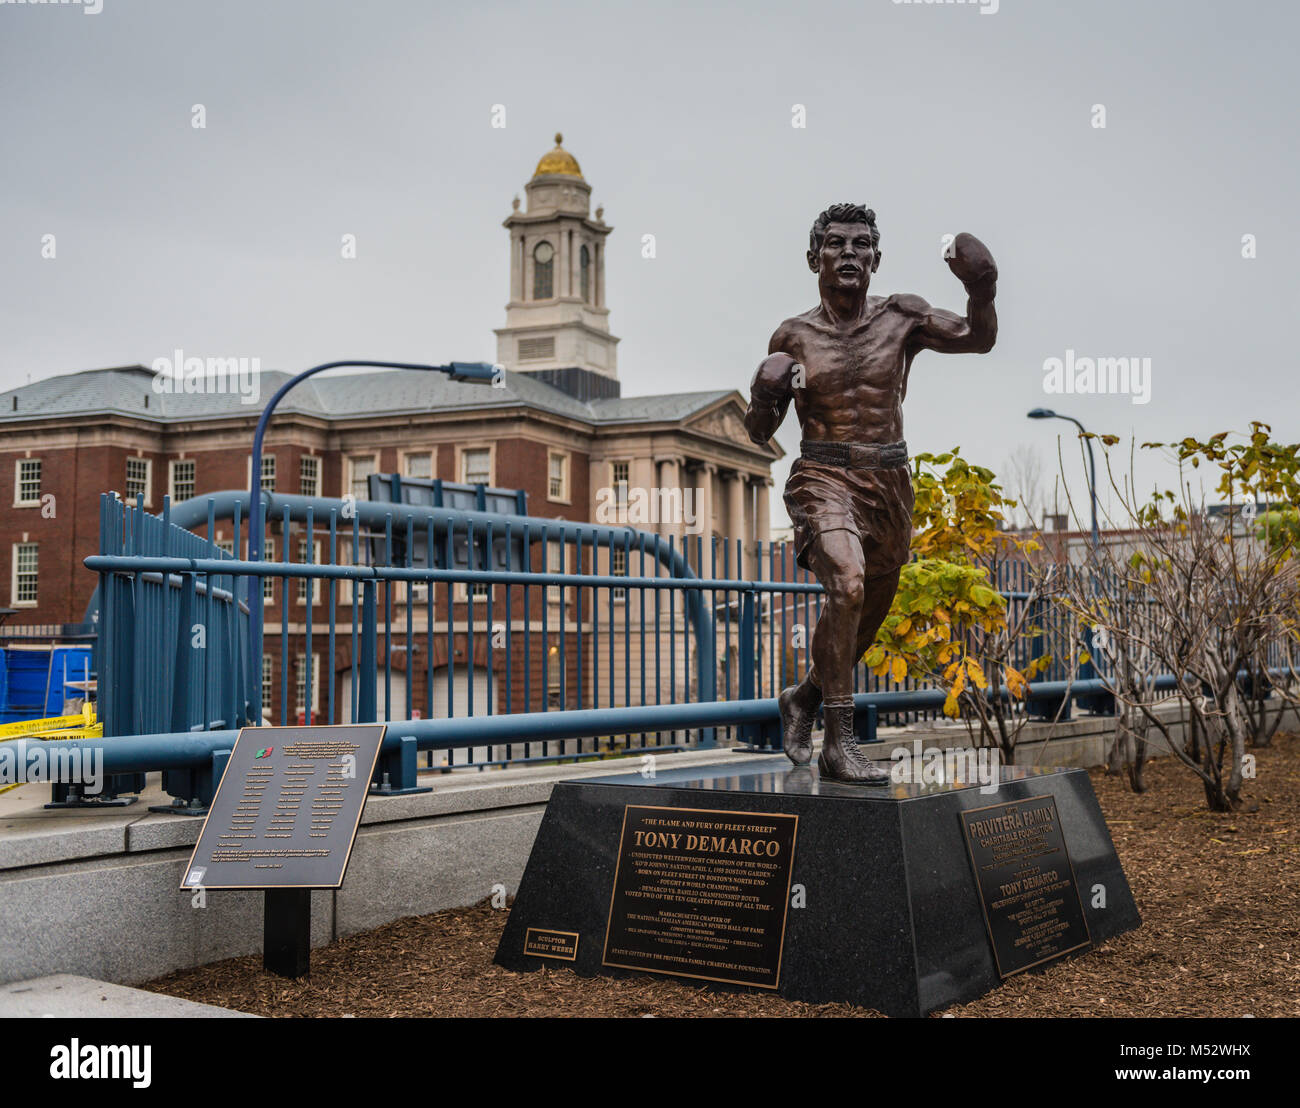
x=845 y=365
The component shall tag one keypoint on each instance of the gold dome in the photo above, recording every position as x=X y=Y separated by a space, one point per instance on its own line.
x=558 y=161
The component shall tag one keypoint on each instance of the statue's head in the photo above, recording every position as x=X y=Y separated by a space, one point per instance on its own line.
x=844 y=246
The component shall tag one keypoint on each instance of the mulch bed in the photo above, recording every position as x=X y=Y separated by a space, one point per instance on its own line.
x=1219 y=896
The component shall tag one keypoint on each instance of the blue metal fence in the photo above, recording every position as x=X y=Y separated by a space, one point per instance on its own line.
x=171 y=651
x=483 y=638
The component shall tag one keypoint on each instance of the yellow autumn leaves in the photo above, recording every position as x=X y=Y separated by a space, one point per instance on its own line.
x=945 y=597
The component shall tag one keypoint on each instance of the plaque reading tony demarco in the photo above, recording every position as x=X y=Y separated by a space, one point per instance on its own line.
x=1026 y=881
x=287 y=809
x=701 y=893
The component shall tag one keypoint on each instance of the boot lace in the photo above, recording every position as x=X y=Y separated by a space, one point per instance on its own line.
x=848 y=736
x=803 y=727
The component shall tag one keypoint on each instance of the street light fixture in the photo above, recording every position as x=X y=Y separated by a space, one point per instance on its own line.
x=1087 y=670
x=1047 y=413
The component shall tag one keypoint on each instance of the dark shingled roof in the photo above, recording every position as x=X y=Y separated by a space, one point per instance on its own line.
x=124 y=390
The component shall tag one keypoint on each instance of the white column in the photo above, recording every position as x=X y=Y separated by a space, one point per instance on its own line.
x=641 y=479
x=760 y=516
x=704 y=475
x=558 y=264
x=573 y=266
x=669 y=476
x=735 y=499
x=763 y=525
x=735 y=505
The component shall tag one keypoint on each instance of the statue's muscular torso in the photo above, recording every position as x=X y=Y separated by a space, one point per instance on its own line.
x=855 y=374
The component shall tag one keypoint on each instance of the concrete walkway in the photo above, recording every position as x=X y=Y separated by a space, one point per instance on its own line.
x=62 y=995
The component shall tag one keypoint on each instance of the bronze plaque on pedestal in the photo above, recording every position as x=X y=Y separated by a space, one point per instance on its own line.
x=546 y=942
x=701 y=893
x=1026 y=883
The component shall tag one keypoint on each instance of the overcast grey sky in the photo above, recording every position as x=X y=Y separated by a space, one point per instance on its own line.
x=326 y=118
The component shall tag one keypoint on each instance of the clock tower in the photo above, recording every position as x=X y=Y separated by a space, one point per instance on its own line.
x=557 y=324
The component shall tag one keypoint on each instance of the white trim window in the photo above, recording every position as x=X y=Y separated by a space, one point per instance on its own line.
x=26 y=574
x=476 y=465
x=268 y=472
x=418 y=465
x=27 y=483
x=139 y=478
x=360 y=467
x=618 y=568
x=182 y=479
x=476 y=591
x=556 y=559
x=415 y=592
x=300 y=685
x=309 y=475
x=343 y=557
x=619 y=478
x=557 y=476
x=268 y=682
x=305 y=583
x=268 y=583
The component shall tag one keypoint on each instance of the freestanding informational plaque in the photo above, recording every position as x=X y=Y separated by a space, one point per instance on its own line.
x=284 y=819
x=1026 y=883
x=702 y=893
x=287 y=808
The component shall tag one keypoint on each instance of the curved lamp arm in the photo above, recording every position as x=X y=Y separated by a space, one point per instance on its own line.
x=478 y=372
x=1047 y=413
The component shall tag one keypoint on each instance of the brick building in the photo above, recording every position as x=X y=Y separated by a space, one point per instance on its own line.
x=560 y=430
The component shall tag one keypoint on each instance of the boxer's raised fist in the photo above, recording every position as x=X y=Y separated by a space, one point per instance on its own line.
x=972 y=264
x=773 y=378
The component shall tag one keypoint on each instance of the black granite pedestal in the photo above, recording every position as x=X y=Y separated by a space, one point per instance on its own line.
x=884 y=905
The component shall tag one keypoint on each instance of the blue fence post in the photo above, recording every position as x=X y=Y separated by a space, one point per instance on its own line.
x=748 y=662
x=396 y=771
x=368 y=664
x=706 y=673
x=181 y=674
x=1045 y=708
x=865 y=721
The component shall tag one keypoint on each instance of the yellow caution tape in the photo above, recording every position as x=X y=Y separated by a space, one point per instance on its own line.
x=55 y=727
x=83 y=726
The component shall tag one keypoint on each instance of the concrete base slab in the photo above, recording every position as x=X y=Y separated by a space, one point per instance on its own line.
x=65 y=995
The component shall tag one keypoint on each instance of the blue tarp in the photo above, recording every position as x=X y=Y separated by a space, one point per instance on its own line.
x=32 y=681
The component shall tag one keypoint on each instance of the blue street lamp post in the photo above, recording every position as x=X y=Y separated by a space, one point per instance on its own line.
x=478 y=372
x=1087 y=670
x=1047 y=413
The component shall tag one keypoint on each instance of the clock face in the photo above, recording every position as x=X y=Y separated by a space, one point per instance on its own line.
x=545 y=252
